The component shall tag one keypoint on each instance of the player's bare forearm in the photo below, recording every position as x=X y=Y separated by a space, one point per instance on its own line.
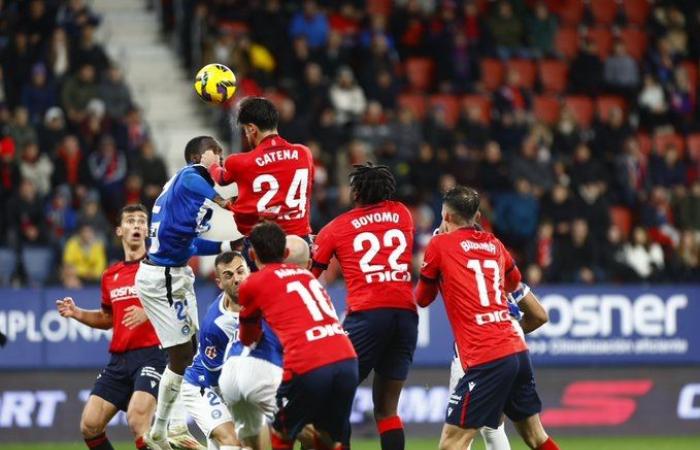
x=222 y=202
x=534 y=314
x=96 y=318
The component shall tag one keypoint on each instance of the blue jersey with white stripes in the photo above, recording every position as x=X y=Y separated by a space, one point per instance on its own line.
x=180 y=214
x=218 y=328
x=268 y=348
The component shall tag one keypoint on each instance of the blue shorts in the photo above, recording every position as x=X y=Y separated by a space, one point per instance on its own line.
x=384 y=340
x=322 y=397
x=486 y=391
x=135 y=370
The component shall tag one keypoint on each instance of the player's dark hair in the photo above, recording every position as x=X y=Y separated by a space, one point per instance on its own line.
x=372 y=184
x=258 y=111
x=269 y=242
x=227 y=257
x=462 y=201
x=136 y=207
x=198 y=145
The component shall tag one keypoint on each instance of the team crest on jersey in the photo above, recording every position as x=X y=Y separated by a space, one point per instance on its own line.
x=210 y=352
x=216 y=414
x=186 y=330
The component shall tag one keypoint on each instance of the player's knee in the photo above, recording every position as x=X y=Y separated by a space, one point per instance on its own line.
x=90 y=427
x=138 y=418
x=223 y=437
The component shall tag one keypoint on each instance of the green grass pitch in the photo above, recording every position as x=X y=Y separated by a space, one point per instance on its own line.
x=584 y=443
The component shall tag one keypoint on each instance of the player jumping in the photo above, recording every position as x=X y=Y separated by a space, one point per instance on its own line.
x=274 y=177
x=165 y=283
x=320 y=365
x=130 y=381
x=473 y=271
x=200 y=388
x=374 y=243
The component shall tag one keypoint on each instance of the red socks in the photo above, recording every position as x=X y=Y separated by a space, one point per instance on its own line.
x=280 y=444
x=391 y=433
x=549 y=444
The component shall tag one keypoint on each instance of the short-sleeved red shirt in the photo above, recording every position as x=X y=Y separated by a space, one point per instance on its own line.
x=274 y=182
x=118 y=293
x=374 y=245
x=475 y=272
x=301 y=314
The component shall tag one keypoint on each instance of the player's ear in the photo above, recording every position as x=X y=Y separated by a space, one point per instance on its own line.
x=251 y=254
x=119 y=231
x=218 y=283
x=286 y=253
x=477 y=217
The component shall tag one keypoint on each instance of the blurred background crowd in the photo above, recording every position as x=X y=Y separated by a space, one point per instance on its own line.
x=577 y=120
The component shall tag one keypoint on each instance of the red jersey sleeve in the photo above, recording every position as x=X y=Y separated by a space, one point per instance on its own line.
x=430 y=270
x=106 y=302
x=323 y=248
x=250 y=326
x=227 y=174
x=512 y=273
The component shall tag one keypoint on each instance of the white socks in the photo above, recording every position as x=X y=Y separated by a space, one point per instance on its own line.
x=178 y=418
x=229 y=447
x=495 y=439
x=168 y=392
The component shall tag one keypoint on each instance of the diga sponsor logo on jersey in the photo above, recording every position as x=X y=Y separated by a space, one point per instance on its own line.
x=324 y=331
x=611 y=324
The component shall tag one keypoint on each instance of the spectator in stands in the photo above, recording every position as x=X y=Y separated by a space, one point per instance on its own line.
x=71 y=167
x=594 y=208
x=541 y=249
x=688 y=209
x=657 y=216
x=378 y=57
x=134 y=132
x=541 y=30
x=9 y=171
x=37 y=167
x=663 y=61
x=529 y=166
x=27 y=220
x=313 y=92
x=91 y=214
x=645 y=258
x=559 y=208
x=425 y=171
x=631 y=173
x=38 y=22
x=575 y=256
x=621 y=73
x=109 y=170
x=610 y=135
x=513 y=96
x=494 y=173
x=310 y=23
x=58 y=55
x=613 y=258
x=17 y=59
x=292 y=125
x=507 y=31
x=75 y=14
x=437 y=131
x=653 y=106
x=681 y=101
x=666 y=168
x=471 y=124
x=383 y=89
x=373 y=130
x=52 y=131
x=461 y=65
x=115 y=94
x=407 y=133
x=21 y=130
x=687 y=264
x=39 y=95
x=60 y=216
x=335 y=55
x=86 y=254
x=584 y=168
x=88 y=51
x=95 y=124
x=586 y=70
x=516 y=215
x=347 y=97
x=77 y=91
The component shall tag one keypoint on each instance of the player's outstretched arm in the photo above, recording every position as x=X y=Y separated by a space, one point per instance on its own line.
x=426 y=292
x=534 y=314
x=97 y=318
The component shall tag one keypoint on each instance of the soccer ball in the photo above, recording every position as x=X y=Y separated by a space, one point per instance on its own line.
x=215 y=83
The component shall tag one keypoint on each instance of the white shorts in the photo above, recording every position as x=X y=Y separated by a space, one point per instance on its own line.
x=207 y=409
x=167 y=296
x=249 y=386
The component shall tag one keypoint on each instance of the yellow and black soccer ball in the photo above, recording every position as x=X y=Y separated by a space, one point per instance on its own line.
x=215 y=83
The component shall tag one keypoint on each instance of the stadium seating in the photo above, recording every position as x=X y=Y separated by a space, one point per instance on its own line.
x=553 y=75
x=693 y=145
x=582 y=109
x=526 y=69
x=37 y=262
x=636 y=11
x=603 y=39
x=449 y=104
x=636 y=42
x=566 y=42
x=492 y=73
x=416 y=103
x=662 y=141
x=603 y=11
x=546 y=109
x=570 y=12
x=419 y=73
x=605 y=103
x=622 y=218
x=480 y=101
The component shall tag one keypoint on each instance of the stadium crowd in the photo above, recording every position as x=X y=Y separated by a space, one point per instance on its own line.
x=578 y=122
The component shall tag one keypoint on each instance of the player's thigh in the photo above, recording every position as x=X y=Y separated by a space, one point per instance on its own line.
x=368 y=335
x=258 y=382
x=334 y=411
x=140 y=411
x=481 y=395
x=456 y=438
x=96 y=415
x=523 y=401
x=299 y=399
x=114 y=383
x=396 y=357
x=206 y=407
x=167 y=296
x=224 y=434
x=248 y=419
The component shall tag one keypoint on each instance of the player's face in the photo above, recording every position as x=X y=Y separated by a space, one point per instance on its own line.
x=133 y=228
x=231 y=275
x=248 y=136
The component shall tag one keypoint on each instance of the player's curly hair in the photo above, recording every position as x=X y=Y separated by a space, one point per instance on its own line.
x=372 y=184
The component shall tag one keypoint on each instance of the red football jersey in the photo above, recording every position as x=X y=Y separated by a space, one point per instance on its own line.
x=274 y=182
x=300 y=312
x=374 y=245
x=118 y=293
x=474 y=272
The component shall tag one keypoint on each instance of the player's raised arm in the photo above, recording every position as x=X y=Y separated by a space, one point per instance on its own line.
x=97 y=318
x=534 y=314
